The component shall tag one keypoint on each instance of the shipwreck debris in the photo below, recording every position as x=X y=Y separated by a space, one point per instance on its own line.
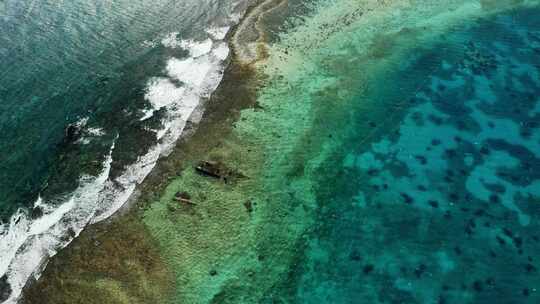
x=183 y=197
x=217 y=170
x=210 y=168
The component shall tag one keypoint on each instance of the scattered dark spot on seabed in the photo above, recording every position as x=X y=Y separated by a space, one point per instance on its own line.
x=458 y=218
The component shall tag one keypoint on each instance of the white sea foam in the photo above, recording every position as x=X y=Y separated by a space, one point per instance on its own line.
x=149 y=44
x=26 y=244
x=81 y=123
x=200 y=77
x=95 y=131
x=190 y=71
x=161 y=93
x=88 y=133
x=195 y=48
x=218 y=33
x=171 y=40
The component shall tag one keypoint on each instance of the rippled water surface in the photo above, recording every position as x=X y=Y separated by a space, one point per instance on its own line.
x=63 y=61
x=400 y=146
x=91 y=94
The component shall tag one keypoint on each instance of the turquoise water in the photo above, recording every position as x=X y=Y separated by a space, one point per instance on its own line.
x=428 y=190
x=432 y=192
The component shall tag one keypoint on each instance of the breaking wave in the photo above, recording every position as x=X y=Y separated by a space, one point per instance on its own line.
x=26 y=244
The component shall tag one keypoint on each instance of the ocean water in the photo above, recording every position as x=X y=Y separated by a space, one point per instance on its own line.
x=428 y=191
x=392 y=158
x=91 y=95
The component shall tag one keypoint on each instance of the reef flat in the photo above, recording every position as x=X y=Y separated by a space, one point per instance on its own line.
x=356 y=152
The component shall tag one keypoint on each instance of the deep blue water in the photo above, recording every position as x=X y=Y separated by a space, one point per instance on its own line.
x=434 y=196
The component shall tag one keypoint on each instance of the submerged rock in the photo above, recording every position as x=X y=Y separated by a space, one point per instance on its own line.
x=72 y=133
x=368 y=268
x=36 y=212
x=407 y=198
x=5 y=289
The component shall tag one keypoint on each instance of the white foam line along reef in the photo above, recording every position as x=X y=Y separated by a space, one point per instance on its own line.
x=26 y=244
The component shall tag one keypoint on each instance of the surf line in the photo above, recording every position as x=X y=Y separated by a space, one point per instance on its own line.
x=27 y=244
